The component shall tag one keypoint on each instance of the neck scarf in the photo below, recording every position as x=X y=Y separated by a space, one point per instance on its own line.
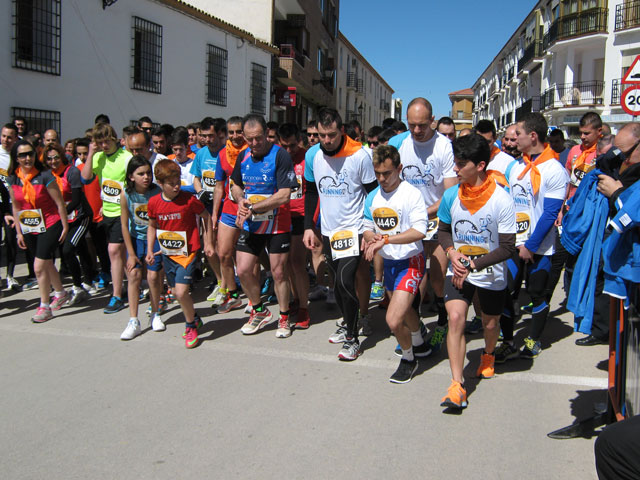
x=474 y=198
x=494 y=151
x=498 y=177
x=233 y=152
x=582 y=159
x=28 y=189
x=547 y=154
x=59 y=175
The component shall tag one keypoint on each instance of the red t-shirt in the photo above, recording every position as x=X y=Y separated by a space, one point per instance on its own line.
x=296 y=205
x=43 y=201
x=178 y=215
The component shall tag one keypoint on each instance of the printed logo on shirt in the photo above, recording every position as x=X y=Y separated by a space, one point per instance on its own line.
x=385 y=218
x=467 y=231
x=334 y=186
x=414 y=176
x=520 y=195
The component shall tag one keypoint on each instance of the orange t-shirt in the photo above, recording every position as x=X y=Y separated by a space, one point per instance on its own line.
x=92 y=192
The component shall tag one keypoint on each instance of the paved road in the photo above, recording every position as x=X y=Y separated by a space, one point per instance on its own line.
x=77 y=402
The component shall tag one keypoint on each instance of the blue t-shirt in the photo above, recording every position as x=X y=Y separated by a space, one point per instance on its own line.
x=204 y=161
x=137 y=206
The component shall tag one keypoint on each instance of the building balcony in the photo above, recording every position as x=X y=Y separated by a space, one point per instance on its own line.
x=531 y=105
x=616 y=91
x=627 y=15
x=533 y=51
x=565 y=95
x=575 y=25
x=352 y=80
x=287 y=50
x=360 y=86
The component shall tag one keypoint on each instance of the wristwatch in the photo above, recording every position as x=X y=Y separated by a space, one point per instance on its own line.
x=465 y=263
x=250 y=208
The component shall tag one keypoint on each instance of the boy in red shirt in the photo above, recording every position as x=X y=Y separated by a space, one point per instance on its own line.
x=173 y=218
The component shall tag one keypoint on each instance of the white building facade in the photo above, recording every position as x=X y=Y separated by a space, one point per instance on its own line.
x=362 y=93
x=566 y=58
x=64 y=62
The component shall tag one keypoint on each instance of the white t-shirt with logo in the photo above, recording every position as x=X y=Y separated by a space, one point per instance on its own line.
x=529 y=207
x=477 y=234
x=425 y=165
x=396 y=212
x=500 y=162
x=340 y=182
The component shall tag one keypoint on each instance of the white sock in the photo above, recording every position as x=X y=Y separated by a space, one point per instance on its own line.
x=416 y=338
x=407 y=354
x=135 y=319
x=44 y=305
x=59 y=294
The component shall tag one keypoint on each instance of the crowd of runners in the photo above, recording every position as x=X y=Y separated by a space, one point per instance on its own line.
x=279 y=215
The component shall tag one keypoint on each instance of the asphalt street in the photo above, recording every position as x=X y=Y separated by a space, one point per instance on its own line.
x=77 y=402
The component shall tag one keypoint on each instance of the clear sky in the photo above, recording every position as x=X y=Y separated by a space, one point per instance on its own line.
x=428 y=48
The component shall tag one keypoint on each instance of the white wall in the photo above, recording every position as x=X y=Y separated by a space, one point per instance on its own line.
x=96 y=68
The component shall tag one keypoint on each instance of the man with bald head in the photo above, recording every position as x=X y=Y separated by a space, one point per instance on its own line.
x=427 y=164
x=509 y=144
x=50 y=136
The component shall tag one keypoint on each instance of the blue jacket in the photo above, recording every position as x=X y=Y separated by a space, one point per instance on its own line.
x=582 y=234
x=622 y=248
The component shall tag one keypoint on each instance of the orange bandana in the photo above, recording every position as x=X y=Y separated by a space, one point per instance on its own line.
x=474 y=198
x=233 y=152
x=349 y=147
x=498 y=177
x=59 y=174
x=547 y=154
x=494 y=151
x=582 y=159
x=28 y=190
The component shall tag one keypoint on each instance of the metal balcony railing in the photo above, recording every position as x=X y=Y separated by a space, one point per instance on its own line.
x=534 y=50
x=360 y=85
x=627 y=15
x=573 y=94
x=352 y=80
x=578 y=24
x=616 y=91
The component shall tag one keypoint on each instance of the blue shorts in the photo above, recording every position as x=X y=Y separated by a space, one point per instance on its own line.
x=176 y=273
x=229 y=220
x=404 y=275
x=140 y=246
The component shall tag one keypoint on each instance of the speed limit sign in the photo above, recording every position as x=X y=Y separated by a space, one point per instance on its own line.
x=631 y=100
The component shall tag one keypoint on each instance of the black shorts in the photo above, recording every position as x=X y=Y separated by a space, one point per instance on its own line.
x=113 y=229
x=491 y=301
x=44 y=245
x=297 y=225
x=254 y=243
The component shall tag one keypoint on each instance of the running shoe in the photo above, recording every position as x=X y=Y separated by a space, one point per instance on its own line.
x=318 y=293
x=331 y=297
x=505 y=351
x=487 y=366
x=214 y=293
x=456 y=396
x=364 y=325
x=284 y=328
x=199 y=325
x=424 y=332
x=350 y=350
x=170 y=297
x=527 y=308
x=257 y=321
x=303 y=320
x=162 y=305
x=13 y=284
x=266 y=286
x=78 y=296
x=42 y=315
x=58 y=302
x=384 y=304
x=114 y=306
x=132 y=330
x=157 y=325
x=30 y=284
x=377 y=291
x=104 y=279
x=272 y=299
x=437 y=339
x=423 y=350
x=249 y=308
x=144 y=294
x=339 y=336
x=191 y=337
x=90 y=289
x=229 y=304
x=531 y=349
x=474 y=326
x=405 y=371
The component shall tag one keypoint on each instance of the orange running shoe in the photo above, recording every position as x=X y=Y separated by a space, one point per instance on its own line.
x=486 y=368
x=456 y=396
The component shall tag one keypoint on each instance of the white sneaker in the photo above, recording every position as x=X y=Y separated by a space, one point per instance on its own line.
x=13 y=284
x=132 y=330
x=248 y=308
x=214 y=293
x=90 y=289
x=219 y=299
x=157 y=325
x=331 y=298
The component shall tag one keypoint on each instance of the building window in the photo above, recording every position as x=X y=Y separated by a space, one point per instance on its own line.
x=341 y=67
x=40 y=120
x=146 y=52
x=258 y=89
x=320 y=61
x=216 y=76
x=36 y=35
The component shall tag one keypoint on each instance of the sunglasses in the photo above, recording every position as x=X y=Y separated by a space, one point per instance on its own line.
x=374 y=144
x=22 y=155
x=312 y=134
x=54 y=157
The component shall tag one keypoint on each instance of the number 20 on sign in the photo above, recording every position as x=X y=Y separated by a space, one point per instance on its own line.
x=631 y=100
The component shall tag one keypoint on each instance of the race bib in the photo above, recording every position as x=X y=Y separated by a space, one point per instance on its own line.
x=3 y=174
x=111 y=190
x=344 y=243
x=263 y=216
x=523 y=227
x=31 y=221
x=208 y=180
x=140 y=214
x=578 y=173
x=71 y=216
x=386 y=221
x=173 y=243
x=473 y=252
x=432 y=229
x=297 y=194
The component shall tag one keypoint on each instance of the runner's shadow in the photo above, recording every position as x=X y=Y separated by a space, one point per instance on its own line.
x=18 y=305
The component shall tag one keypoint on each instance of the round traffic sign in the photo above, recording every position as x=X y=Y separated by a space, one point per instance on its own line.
x=631 y=100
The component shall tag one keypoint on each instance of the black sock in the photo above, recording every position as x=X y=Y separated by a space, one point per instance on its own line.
x=234 y=294
x=259 y=307
x=442 y=312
